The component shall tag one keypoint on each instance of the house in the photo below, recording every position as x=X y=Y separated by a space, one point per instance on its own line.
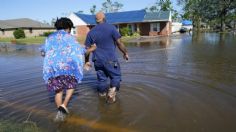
x=146 y=23
x=30 y=27
x=187 y=24
x=176 y=27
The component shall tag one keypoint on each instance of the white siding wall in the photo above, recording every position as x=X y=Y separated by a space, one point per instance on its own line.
x=170 y=17
x=76 y=20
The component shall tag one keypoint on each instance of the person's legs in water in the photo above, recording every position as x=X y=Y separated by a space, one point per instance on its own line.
x=111 y=95
x=69 y=82
x=58 y=84
x=69 y=93
x=114 y=73
x=62 y=107
x=60 y=116
x=58 y=98
x=102 y=83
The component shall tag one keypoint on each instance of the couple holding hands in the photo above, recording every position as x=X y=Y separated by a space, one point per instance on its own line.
x=64 y=61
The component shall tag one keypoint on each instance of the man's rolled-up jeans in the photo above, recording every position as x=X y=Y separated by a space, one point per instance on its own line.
x=105 y=70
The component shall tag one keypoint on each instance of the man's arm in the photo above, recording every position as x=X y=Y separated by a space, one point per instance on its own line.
x=89 y=50
x=122 y=48
x=87 y=54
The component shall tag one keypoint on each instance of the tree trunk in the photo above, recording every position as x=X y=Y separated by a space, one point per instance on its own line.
x=234 y=24
x=198 y=23
x=222 y=24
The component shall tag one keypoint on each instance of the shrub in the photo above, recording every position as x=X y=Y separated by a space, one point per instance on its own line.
x=46 y=34
x=125 y=31
x=136 y=34
x=19 y=33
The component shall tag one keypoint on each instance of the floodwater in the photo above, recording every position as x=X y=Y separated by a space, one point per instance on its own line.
x=184 y=83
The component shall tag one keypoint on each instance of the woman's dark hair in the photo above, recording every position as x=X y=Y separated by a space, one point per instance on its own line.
x=63 y=23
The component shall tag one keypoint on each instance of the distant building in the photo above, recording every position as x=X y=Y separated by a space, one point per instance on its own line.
x=146 y=23
x=187 y=24
x=176 y=26
x=30 y=27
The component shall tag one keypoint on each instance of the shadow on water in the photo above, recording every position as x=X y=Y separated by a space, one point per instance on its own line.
x=183 y=83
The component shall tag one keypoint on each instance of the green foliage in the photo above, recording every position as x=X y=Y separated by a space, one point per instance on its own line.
x=93 y=9
x=110 y=6
x=207 y=11
x=136 y=34
x=19 y=33
x=125 y=31
x=46 y=34
x=163 y=5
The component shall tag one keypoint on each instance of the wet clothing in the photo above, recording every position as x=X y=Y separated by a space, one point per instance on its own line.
x=62 y=82
x=63 y=56
x=105 y=70
x=104 y=57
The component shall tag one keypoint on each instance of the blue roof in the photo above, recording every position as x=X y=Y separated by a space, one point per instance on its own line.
x=126 y=17
x=89 y=19
x=187 y=22
x=116 y=17
x=157 y=16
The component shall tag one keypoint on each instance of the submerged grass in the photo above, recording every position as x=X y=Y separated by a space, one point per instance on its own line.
x=41 y=40
x=28 y=40
x=27 y=126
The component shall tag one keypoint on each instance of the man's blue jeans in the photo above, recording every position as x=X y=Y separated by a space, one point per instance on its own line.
x=105 y=70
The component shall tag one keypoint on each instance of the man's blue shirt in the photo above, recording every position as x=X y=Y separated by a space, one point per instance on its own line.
x=104 y=35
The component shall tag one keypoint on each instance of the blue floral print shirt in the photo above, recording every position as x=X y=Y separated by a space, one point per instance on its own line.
x=63 y=56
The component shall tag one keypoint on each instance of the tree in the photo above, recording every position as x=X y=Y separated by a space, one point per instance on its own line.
x=117 y=6
x=219 y=11
x=80 y=11
x=53 y=21
x=164 y=5
x=93 y=9
x=110 y=6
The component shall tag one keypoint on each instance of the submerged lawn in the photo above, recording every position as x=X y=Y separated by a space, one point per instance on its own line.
x=41 y=40
x=28 y=40
x=8 y=126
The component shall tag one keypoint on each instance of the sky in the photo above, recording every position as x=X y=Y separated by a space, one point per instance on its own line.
x=45 y=10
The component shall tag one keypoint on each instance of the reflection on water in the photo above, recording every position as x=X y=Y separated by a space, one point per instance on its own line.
x=182 y=84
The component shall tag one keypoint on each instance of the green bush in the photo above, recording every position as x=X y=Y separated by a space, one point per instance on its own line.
x=19 y=33
x=136 y=34
x=125 y=31
x=46 y=34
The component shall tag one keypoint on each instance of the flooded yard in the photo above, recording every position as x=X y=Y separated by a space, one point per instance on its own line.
x=184 y=83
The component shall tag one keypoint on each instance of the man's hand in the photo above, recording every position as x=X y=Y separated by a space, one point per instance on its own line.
x=42 y=53
x=122 y=48
x=87 y=66
x=126 y=56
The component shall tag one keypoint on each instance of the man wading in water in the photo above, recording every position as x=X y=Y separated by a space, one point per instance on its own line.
x=105 y=38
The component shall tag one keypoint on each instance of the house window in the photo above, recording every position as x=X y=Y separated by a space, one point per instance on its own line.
x=3 y=32
x=117 y=27
x=31 y=30
x=132 y=28
x=73 y=31
x=155 y=27
x=135 y=27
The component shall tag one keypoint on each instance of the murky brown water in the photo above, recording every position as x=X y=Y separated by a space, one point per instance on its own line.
x=181 y=84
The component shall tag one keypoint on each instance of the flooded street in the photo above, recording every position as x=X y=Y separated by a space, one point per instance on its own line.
x=184 y=83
